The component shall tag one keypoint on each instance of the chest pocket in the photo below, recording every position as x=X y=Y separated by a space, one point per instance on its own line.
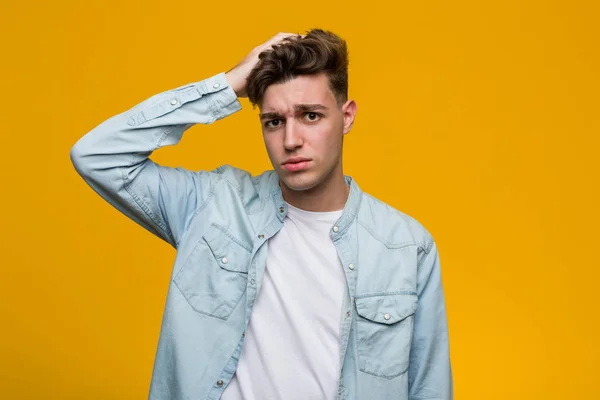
x=384 y=329
x=213 y=278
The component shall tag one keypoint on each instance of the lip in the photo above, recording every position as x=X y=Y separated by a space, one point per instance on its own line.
x=296 y=164
x=295 y=160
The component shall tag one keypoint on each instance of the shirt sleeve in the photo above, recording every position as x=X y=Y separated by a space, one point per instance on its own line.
x=430 y=373
x=113 y=158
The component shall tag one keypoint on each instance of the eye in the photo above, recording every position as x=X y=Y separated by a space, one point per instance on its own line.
x=312 y=116
x=274 y=123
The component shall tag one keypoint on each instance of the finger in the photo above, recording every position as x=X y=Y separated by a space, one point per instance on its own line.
x=275 y=40
x=280 y=37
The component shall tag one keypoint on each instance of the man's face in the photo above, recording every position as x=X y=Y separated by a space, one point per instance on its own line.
x=302 y=128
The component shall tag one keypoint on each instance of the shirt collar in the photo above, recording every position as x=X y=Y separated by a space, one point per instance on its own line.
x=348 y=214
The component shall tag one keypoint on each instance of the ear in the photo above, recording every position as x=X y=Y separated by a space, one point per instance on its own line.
x=349 y=112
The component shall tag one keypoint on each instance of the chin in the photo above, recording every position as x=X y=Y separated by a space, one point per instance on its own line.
x=299 y=182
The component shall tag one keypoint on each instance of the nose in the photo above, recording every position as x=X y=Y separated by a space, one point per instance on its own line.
x=293 y=137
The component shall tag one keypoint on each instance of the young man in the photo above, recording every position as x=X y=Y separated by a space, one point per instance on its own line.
x=293 y=284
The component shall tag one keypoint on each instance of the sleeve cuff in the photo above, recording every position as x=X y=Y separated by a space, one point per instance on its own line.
x=224 y=102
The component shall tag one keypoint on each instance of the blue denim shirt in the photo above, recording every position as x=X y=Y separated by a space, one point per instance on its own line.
x=393 y=332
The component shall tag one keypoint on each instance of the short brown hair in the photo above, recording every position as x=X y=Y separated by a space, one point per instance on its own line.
x=318 y=51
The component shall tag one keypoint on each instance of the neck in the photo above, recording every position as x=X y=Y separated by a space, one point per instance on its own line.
x=329 y=195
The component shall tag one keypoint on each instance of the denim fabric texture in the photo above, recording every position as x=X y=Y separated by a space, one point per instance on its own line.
x=394 y=332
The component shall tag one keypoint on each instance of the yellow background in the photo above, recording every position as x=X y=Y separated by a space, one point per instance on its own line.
x=480 y=119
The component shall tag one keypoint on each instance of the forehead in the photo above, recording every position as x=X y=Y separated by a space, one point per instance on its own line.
x=304 y=89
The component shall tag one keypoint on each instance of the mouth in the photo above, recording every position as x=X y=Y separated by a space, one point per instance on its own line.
x=296 y=164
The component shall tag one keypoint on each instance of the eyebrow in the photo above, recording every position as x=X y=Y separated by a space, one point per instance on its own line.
x=297 y=108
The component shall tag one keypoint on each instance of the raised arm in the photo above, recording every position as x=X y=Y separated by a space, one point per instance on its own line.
x=113 y=158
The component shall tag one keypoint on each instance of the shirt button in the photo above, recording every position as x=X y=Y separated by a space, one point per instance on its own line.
x=219 y=383
x=216 y=85
x=173 y=102
x=386 y=316
x=224 y=260
x=347 y=313
x=261 y=236
x=252 y=281
x=281 y=209
x=351 y=266
x=335 y=228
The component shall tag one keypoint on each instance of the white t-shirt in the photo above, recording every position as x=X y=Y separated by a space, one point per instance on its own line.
x=292 y=346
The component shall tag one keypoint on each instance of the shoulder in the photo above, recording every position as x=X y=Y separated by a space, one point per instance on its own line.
x=244 y=182
x=391 y=226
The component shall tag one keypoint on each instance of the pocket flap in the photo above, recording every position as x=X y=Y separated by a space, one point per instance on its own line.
x=387 y=308
x=230 y=253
